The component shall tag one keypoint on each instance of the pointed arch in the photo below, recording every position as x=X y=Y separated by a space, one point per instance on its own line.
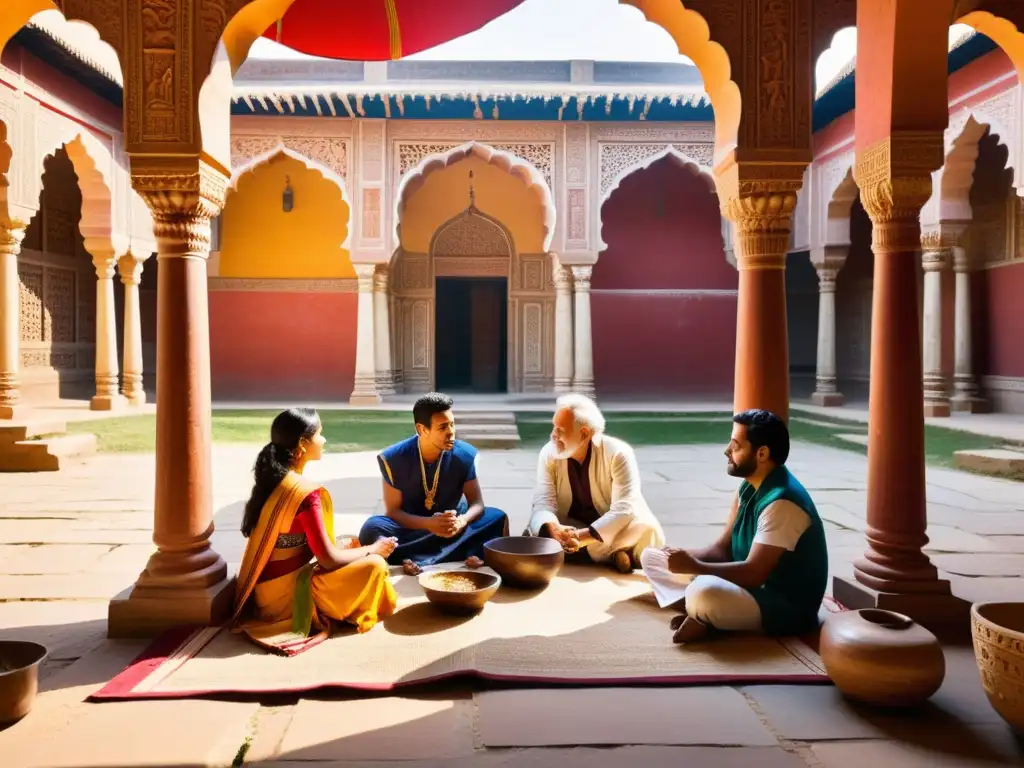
x=253 y=163
x=506 y=161
x=692 y=35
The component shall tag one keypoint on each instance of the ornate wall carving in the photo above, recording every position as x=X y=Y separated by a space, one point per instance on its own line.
x=576 y=154
x=329 y=151
x=371 y=229
x=618 y=159
x=541 y=156
x=471 y=235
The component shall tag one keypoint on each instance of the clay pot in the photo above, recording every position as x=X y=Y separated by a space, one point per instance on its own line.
x=19 y=678
x=998 y=633
x=476 y=589
x=527 y=562
x=882 y=658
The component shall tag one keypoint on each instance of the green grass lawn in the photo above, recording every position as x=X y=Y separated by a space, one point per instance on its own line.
x=348 y=431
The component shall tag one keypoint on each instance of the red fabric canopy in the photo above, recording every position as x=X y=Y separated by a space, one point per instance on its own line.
x=378 y=30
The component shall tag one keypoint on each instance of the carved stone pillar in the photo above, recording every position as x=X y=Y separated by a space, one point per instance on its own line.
x=104 y=260
x=935 y=260
x=563 y=327
x=364 y=391
x=185 y=580
x=382 y=332
x=762 y=348
x=965 y=387
x=894 y=572
x=827 y=262
x=583 y=377
x=129 y=267
x=11 y=235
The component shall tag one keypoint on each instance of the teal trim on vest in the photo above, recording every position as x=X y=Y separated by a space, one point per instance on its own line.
x=790 y=598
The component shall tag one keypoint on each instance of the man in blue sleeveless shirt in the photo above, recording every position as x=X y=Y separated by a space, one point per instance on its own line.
x=432 y=499
x=768 y=570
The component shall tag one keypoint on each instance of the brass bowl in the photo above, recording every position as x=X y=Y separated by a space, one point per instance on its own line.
x=527 y=562
x=998 y=633
x=19 y=677
x=459 y=591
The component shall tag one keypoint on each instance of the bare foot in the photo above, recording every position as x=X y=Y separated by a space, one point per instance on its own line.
x=690 y=631
x=410 y=568
x=622 y=562
x=474 y=562
x=677 y=621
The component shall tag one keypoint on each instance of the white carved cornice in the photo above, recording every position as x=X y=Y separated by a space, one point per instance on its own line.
x=328 y=152
x=617 y=160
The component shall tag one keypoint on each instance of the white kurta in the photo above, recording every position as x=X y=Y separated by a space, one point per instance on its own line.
x=625 y=522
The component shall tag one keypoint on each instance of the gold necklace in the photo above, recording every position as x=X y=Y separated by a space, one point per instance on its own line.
x=432 y=491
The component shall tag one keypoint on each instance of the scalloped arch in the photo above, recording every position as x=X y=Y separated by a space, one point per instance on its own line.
x=842 y=196
x=330 y=175
x=506 y=161
x=683 y=160
x=1002 y=32
x=693 y=38
x=963 y=146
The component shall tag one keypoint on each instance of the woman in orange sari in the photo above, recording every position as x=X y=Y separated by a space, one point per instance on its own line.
x=285 y=602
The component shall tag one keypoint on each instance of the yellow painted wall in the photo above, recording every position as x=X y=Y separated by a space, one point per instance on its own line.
x=258 y=239
x=499 y=194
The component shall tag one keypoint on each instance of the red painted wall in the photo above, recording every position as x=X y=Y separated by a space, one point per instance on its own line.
x=284 y=345
x=996 y=292
x=663 y=297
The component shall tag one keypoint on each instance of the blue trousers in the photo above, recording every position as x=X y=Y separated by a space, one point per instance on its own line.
x=425 y=548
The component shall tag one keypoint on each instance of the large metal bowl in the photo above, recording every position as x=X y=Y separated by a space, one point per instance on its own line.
x=527 y=562
x=459 y=591
x=19 y=677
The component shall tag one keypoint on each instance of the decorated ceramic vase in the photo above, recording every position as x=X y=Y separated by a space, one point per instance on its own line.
x=998 y=632
x=881 y=658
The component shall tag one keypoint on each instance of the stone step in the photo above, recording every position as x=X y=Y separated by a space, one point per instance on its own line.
x=18 y=431
x=494 y=441
x=486 y=429
x=46 y=455
x=462 y=418
x=996 y=462
x=854 y=438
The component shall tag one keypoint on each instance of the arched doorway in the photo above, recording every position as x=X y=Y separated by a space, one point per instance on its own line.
x=472 y=289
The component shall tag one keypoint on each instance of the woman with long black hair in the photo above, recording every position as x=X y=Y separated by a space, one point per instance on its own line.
x=285 y=600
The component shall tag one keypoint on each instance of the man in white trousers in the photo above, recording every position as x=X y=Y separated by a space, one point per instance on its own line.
x=588 y=495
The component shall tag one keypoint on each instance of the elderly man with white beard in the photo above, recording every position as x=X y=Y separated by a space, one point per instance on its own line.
x=588 y=495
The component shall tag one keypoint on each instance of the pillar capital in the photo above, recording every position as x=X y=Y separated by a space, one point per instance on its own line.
x=12 y=233
x=364 y=274
x=129 y=267
x=894 y=176
x=762 y=212
x=827 y=261
x=184 y=194
x=562 y=277
x=380 y=279
x=581 y=278
x=961 y=260
x=104 y=259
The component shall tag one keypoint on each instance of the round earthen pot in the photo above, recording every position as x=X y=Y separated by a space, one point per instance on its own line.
x=882 y=658
x=998 y=632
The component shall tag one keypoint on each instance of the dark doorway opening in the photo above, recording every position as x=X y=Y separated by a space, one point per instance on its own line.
x=471 y=326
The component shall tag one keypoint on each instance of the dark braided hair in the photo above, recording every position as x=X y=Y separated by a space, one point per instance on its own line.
x=276 y=459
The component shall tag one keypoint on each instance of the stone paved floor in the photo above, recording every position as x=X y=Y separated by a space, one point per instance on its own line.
x=71 y=540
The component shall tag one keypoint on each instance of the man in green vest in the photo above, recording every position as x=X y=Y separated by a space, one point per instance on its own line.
x=768 y=570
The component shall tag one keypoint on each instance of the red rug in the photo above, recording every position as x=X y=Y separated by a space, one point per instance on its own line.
x=585 y=629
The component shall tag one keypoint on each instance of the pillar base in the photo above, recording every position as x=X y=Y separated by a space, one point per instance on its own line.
x=969 y=404
x=135 y=399
x=828 y=399
x=585 y=387
x=13 y=411
x=941 y=612
x=937 y=409
x=107 y=403
x=385 y=384
x=148 y=612
x=365 y=398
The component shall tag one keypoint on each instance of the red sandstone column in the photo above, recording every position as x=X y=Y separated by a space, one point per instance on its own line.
x=894 y=571
x=185 y=580
x=762 y=343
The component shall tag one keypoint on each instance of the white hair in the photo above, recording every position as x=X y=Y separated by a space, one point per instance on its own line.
x=584 y=411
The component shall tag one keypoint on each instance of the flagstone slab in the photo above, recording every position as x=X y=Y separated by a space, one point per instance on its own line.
x=984 y=589
x=988 y=564
x=97 y=586
x=386 y=728
x=606 y=716
x=943 y=538
x=24 y=559
x=952 y=746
